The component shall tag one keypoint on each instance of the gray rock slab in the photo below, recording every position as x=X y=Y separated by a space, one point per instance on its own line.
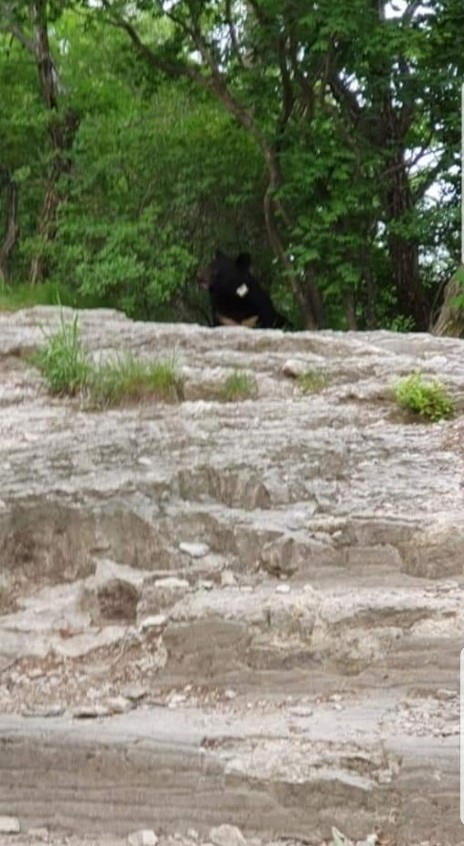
x=304 y=551
x=161 y=766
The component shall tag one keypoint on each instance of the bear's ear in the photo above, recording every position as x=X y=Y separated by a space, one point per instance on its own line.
x=243 y=261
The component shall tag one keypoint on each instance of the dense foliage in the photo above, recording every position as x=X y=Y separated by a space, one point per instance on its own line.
x=324 y=139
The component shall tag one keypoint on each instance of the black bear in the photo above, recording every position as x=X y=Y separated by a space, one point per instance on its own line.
x=236 y=297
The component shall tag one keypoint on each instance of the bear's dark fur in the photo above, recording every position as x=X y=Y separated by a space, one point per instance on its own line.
x=237 y=298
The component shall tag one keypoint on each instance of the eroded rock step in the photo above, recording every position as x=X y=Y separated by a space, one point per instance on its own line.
x=286 y=706
x=246 y=629
x=279 y=774
x=341 y=710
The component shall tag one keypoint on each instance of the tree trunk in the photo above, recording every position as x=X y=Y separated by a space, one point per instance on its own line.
x=11 y=229
x=450 y=320
x=302 y=298
x=61 y=129
x=404 y=253
x=349 y=307
x=307 y=296
x=62 y=134
x=45 y=232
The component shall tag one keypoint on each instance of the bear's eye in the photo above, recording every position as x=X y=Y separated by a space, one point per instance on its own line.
x=242 y=290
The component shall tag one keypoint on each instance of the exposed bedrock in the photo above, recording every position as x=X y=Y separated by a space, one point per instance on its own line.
x=244 y=612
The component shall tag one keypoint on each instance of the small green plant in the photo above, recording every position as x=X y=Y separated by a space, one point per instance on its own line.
x=127 y=379
x=312 y=382
x=237 y=386
x=428 y=399
x=62 y=360
x=68 y=372
x=402 y=324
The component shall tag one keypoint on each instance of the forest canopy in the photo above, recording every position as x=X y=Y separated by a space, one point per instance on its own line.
x=323 y=138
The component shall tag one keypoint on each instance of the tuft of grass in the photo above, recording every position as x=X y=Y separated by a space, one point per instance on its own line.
x=312 y=382
x=62 y=360
x=126 y=379
x=425 y=398
x=237 y=386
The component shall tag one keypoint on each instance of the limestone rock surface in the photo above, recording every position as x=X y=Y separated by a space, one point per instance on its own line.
x=238 y=616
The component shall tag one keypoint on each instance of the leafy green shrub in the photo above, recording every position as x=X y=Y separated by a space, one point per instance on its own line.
x=237 y=386
x=132 y=239
x=62 y=360
x=428 y=399
x=312 y=382
x=125 y=379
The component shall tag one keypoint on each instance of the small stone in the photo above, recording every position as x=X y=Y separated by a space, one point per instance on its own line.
x=192 y=833
x=45 y=711
x=282 y=588
x=9 y=825
x=134 y=692
x=301 y=711
x=90 y=712
x=206 y=584
x=119 y=705
x=446 y=587
x=445 y=693
x=230 y=694
x=161 y=595
x=294 y=368
x=227 y=835
x=195 y=550
x=297 y=520
x=172 y=583
x=228 y=579
x=35 y=673
x=144 y=837
x=176 y=699
x=155 y=621
x=449 y=731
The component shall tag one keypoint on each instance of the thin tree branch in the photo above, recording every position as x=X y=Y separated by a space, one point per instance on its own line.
x=345 y=96
x=411 y=9
x=171 y=69
x=233 y=35
x=288 y=99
